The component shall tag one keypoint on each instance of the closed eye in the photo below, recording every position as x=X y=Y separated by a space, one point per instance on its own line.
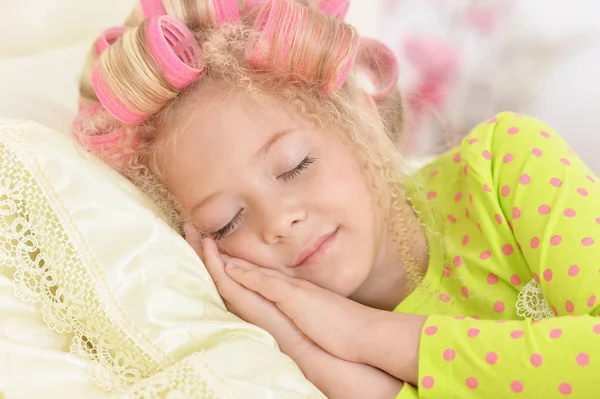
x=297 y=171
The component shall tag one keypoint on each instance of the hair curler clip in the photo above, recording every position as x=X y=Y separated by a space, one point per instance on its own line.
x=108 y=38
x=175 y=51
x=379 y=65
x=335 y=8
x=152 y=8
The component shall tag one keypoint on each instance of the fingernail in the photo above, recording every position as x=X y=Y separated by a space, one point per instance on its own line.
x=231 y=266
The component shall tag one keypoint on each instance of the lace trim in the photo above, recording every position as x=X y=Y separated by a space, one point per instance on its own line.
x=531 y=303
x=191 y=378
x=55 y=268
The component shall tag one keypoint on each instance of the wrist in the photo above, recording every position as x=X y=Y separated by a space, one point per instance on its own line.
x=392 y=344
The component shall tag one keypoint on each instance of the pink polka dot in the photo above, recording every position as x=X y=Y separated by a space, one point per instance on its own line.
x=569 y=306
x=467 y=213
x=554 y=310
x=591 y=301
x=534 y=242
x=556 y=333
x=487 y=188
x=508 y=158
x=458 y=261
x=536 y=278
x=587 y=242
x=492 y=279
x=548 y=275
x=544 y=134
x=485 y=255
x=499 y=307
x=516 y=386
x=498 y=218
x=513 y=130
x=427 y=382
x=487 y=155
x=457 y=158
x=583 y=359
x=515 y=280
x=537 y=360
x=510 y=224
x=473 y=141
x=570 y=213
x=447 y=271
x=431 y=195
x=565 y=389
x=458 y=197
x=451 y=218
x=479 y=227
x=465 y=240
x=590 y=178
x=516 y=334
x=505 y=191
x=598 y=220
x=491 y=357
x=555 y=240
x=516 y=213
x=525 y=179
x=507 y=249
x=465 y=292
x=556 y=182
x=544 y=209
x=475 y=317
x=472 y=382
x=460 y=317
x=473 y=332
x=583 y=192
x=431 y=330
x=434 y=173
x=574 y=270
x=492 y=121
x=466 y=169
x=444 y=298
x=470 y=198
x=449 y=355
x=537 y=152
x=596 y=329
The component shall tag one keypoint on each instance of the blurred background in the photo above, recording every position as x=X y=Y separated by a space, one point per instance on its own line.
x=461 y=61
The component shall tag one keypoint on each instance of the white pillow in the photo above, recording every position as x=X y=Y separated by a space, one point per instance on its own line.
x=106 y=287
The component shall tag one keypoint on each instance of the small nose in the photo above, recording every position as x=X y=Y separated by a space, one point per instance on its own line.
x=281 y=222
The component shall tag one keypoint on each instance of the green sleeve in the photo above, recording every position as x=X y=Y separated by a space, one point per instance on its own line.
x=552 y=202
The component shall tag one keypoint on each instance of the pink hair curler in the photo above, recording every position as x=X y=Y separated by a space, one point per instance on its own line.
x=252 y=5
x=226 y=11
x=379 y=63
x=175 y=50
x=108 y=38
x=335 y=8
x=278 y=21
x=152 y=8
x=177 y=54
x=104 y=138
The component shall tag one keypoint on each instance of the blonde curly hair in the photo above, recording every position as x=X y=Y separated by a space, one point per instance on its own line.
x=309 y=39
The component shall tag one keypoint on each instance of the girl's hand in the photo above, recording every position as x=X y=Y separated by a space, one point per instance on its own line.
x=335 y=323
x=246 y=304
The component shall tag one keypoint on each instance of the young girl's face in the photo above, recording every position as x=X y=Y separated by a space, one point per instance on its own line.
x=274 y=190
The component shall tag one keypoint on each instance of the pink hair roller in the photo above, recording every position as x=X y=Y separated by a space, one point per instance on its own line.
x=152 y=8
x=335 y=8
x=108 y=38
x=379 y=63
x=107 y=138
x=268 y=27
x=176 y=52
x=226 y=11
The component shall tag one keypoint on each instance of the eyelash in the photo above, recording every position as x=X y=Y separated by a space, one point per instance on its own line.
x=287 y=176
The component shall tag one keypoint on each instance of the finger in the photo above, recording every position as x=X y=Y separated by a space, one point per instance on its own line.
x=267 y=282
x=251 y=266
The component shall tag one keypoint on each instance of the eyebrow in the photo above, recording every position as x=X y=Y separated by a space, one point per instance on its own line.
x=264 y=150
x=271 y=142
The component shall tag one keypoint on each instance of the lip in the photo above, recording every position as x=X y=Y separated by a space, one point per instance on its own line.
x=317 y=250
